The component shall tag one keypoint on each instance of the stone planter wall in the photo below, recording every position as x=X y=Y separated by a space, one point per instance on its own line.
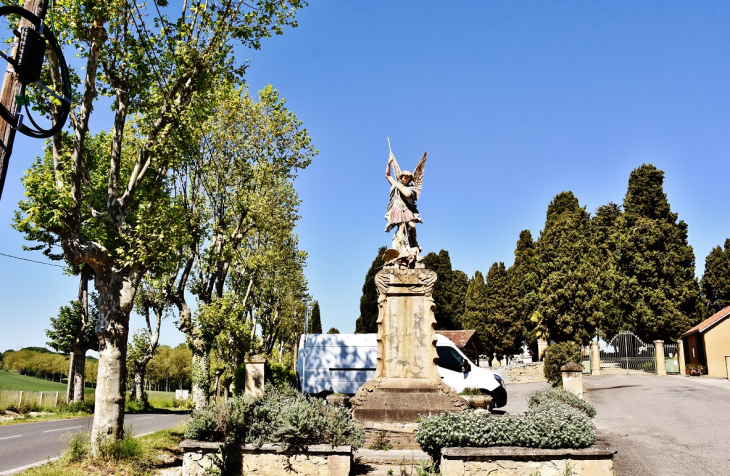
x=596 y=460
x=269 y=460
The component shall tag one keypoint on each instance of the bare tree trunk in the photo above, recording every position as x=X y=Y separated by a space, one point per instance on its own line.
x=116 y=299
x=201 y=377
x=139 y=393
x=76 y=377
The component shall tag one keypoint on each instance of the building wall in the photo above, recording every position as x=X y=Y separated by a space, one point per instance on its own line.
x=717 y=346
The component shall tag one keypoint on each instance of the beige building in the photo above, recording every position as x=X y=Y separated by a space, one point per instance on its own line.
x=708 y=343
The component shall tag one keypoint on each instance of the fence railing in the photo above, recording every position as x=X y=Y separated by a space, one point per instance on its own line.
x=28 y=401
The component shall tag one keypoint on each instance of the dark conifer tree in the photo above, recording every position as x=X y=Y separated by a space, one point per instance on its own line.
x=367 y=323
x=525 y=277
x=569 y=301
x=315 y=321
x=502 y=327
x=655 y=291
x=459 y=284
x=603 y=229
x=445 y=295
x=476 y=310
x=716 y=280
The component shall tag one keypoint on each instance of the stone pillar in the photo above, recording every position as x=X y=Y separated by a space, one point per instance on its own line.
x=254 y=375
x=572 y=374
x=680 y=356
x=661 y=364
x=541 y=346
x=595 y=358
x=406 y=383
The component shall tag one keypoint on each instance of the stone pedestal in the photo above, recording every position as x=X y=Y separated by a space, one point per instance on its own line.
x=661 y=364
x=572 y=374
x=254 y=374
x=406 y=383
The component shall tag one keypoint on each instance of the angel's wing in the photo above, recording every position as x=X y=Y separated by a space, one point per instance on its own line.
x=396 y=167
x=418 y=173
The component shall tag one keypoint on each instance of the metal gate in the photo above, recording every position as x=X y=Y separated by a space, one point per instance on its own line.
x=671 y=358
x=585 y=359
x=626 y=353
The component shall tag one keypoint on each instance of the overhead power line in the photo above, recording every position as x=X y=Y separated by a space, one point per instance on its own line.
x=32 y=260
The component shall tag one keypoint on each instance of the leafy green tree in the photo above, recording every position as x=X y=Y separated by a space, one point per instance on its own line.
x=447 y=294
x=367 y=323
x=315 y=321
x=655 y=291
x=502 y=325
x=72 y=333
x=114 y=209
x=716 y=279
x=333 y=330
x=525 y=277
x=569 y=301
x=475 y=314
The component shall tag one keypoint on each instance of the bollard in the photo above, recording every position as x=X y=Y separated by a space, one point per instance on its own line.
x=661 y=365
x=40 y=400
x=572 y=374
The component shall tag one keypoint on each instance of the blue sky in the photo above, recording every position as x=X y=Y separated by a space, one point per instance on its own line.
x=514 y=102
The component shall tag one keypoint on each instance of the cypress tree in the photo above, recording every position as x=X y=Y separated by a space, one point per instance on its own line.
x=525 y=277
x=476 y=309
x=445 y=295
x=569 y=302
x=655 y=292
x=503 y=328
x=716 y=280
x=367 y=323
x=459 y=285
x=603 y=228
x=315 y=321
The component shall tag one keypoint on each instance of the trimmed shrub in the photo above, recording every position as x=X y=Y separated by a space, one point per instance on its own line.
x=558 y=355
x=562 y=396
x=280 y=375
x=280 y=416
x=549 y=425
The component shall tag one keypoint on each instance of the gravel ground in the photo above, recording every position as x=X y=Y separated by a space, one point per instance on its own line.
x=672 y=425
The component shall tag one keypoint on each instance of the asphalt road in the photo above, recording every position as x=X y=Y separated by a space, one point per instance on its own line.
x=673 y=425
x=28 y=444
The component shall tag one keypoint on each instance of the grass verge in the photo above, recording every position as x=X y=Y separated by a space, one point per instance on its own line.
x=127 y=457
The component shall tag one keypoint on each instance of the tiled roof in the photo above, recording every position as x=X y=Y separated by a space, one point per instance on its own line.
x=707 y=323
x=460 y=338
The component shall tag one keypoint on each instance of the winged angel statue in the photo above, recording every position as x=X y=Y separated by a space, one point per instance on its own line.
x=405 y=188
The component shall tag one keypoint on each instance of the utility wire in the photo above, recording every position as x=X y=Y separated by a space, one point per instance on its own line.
x=32 y=260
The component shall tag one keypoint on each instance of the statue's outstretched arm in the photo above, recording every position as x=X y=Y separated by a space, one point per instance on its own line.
x=387 y=170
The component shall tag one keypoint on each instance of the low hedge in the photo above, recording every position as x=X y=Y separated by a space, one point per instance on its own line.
x=562 y=396
x=280 y=416
x=551 y=424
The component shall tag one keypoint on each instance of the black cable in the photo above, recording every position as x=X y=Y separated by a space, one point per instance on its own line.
x=32 y=260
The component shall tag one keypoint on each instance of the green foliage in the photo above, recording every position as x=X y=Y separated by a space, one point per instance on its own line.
x=239 y=380
x=502 y=324
x=315 y=321
x=525 y=277
x=126 y=448
x=381 y=442
x=569 y=300
x=65 y=332
x=333 y=330
x=470 y=391
x=558 y=355
x=41 y=365
x=135 y=406
x=655 y=292
x=367 y=323
x=77 y=448
x=553 y=425
x=280 y=375
x=449 y=292
x=475 y=314
x=543 y=397
x=716 y=279
x=280 y=416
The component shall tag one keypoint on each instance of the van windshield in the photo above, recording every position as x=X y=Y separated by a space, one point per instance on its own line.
x=449 y=358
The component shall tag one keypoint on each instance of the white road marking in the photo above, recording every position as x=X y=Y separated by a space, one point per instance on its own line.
x=61 y=429
x=28 y=466
x=143 y=418
x=8 y=437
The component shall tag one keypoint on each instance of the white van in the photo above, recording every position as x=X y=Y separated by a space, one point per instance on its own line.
x=342 y=363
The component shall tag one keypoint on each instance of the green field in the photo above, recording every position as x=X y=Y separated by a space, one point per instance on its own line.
x=11 y=381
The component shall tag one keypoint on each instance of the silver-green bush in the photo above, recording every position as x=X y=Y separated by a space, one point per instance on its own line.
x=549 y=425
x=562 y=396
x=280 y=416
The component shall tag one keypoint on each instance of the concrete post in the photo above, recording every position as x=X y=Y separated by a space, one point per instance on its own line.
x=680 y=356
x=254 y=375
x=541 y=346
x=572 y=374
x=661 y=364
x=595 y=358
